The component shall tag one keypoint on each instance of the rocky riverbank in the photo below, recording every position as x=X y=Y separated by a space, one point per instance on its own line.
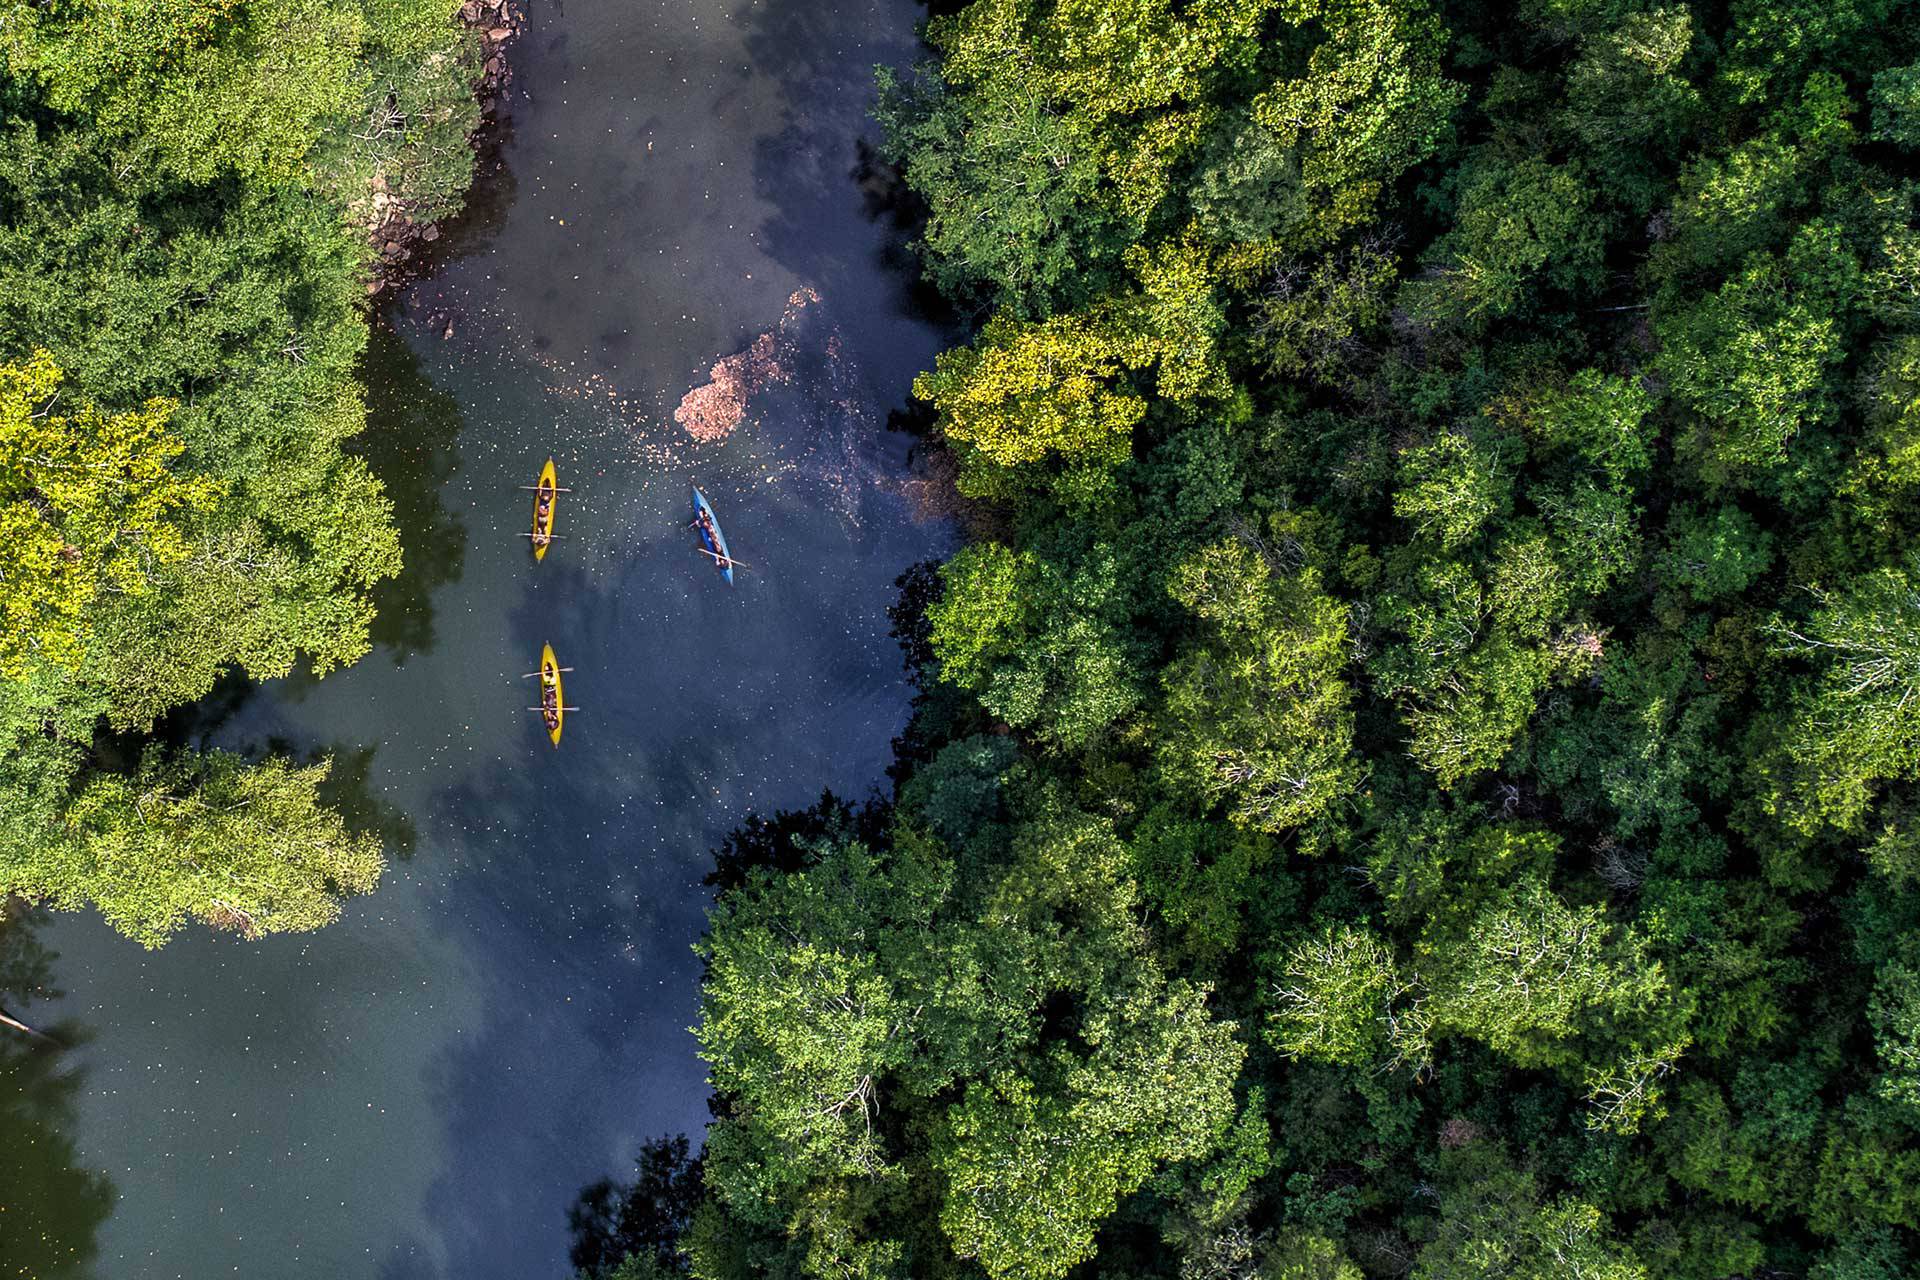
x=399 y=237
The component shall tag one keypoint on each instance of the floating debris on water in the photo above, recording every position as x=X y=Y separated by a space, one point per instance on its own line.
x=814 y=417
x=710 y=412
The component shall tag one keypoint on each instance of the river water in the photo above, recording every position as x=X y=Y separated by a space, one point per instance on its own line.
x=419 y=1090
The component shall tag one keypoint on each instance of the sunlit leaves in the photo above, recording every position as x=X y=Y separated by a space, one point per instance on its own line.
x=1492 y=1222
x=1715 y=552
x=1860 y=725
x=185 y=187
x=1371 y=103
x=1517 y=227
x=1309 y=319
x=212 y=838
x=1604 y=421
x=869 y=982
x=1032 y=1166
x=201 y=87
x=1453 y=485
x=1895 y=1015
x=1012 y=189
x=1037 y=641
x=1753 y=359
x=1627 y=86
x=1331 y=996
x=1025 y=392
x=1521 y=975
x=1896 y=106
x=89 y=502
x=1257 y=714
x=1404 y=540
x=807 y=1033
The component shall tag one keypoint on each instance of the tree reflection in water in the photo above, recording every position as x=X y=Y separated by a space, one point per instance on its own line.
x=628 y=1232
x=51 y=1208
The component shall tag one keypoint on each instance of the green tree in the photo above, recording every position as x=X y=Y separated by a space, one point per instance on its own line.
x=1310 y=318
x=243 y=311
x=806 y=1024
x=1493 y=1224
x=1754 y=359
x=1205 y=880
x=1895 y=1014
x=1256 y=713
x=1332 y=997
x=1896 y=106
x=1597 y=959
x=1521 y=974
x=1036 y=641
x=1370 y=103
x=1715 y=553
x=1628 y=89
x=1516 y=224
x=198 y=86
x=1604 y=422
x=1013 y=189
x=246 y=847
x=1024 y=393
x=1032 y=1165
x=1467 y=687
x=1454 y=485
x=1856 y=728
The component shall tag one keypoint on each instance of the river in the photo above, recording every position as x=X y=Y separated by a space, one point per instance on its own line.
x=419 y=1090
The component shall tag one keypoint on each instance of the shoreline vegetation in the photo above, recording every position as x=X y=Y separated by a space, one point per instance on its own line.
x=199 y=202
x=404 y=217
x=1418 y=776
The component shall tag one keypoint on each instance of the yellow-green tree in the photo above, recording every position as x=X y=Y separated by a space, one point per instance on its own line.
x=1026 y=393
x=213 y=838
x=88 y=504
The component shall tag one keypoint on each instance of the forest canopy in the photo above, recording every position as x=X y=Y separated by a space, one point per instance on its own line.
x=186 y=191
x=1417 y=770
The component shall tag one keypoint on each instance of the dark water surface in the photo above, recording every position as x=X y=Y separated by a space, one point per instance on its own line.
x=419 y=1090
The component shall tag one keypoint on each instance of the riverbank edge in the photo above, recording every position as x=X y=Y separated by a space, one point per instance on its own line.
x=396 y=237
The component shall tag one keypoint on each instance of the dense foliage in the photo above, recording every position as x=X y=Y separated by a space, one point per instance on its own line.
x=1424 y=780
x=185 y=191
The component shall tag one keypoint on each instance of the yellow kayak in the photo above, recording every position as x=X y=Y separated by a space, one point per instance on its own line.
x=546 y=497
x=553 y=703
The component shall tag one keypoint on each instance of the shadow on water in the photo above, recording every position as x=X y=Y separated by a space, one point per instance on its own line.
x=610 y=1222
x=191 y=725
x=54 y=1208
x=821 y=172
x=410 y=445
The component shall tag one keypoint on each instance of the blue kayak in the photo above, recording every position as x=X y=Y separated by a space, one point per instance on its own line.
x=714 y=541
